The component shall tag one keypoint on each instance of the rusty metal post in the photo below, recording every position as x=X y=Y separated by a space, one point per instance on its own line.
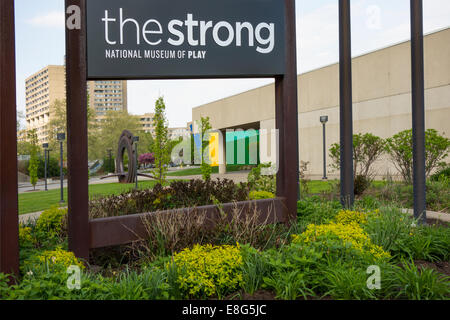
x=9 y=218
x=346 y=108
x=77 y=142
x=418 y=110
x=286 y=111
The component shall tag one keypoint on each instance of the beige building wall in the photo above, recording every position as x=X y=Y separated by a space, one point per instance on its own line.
x=41 y=91
x=381 y=96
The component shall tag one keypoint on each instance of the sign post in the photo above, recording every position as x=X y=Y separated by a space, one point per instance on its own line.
x=346 y=105
x=418 y=110
x=286 y=118
x=9 y=218
x=77 y=142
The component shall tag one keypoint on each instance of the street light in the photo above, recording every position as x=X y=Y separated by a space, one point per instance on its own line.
x=61 y=137
x=45 y=146
x=324 y=120
x=135 y=142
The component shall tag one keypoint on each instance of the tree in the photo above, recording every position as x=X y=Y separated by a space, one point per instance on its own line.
x=147 y=158
x=109 y=130
x=58 y=124
x=20 y=117
x=400 y=148
x=34 y=158
x=367 y=148
x=161 y=145
x=146 y=142
x=205 y=127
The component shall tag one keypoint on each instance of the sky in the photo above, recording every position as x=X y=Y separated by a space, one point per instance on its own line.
x=40 y=41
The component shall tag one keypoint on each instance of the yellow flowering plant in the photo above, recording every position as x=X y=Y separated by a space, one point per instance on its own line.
x=50 y=222
x=25 y=237
x=205 y=271
x=57 y=260
x=358 y=217
x=346 y=238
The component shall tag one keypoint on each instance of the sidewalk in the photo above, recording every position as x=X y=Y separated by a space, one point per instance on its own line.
x=441 y=216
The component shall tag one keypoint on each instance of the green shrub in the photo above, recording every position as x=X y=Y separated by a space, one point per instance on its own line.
x=344 y=241
x=258 y=195
x=208 y=270
x=180 y=194
x=149 y=285
x=314 y=210
x=438 y=195
x=25 y=237
x=289 y=285
x=367 y=202
x=50 y=222
x=390 y=229
x=442 y=173
x=345 y=281
x=400 y=148
x=428 y=243
x=261 y=182
x=52 y=168
x=361 y=184
x=367 y=148
x=293 y=271
x=255 y=268
x=410 y=282
x=4 y=287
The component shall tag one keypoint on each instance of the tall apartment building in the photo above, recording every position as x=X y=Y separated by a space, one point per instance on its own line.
x=146 y=122
x=42 y=89
x=107 y=95
x=47 y=85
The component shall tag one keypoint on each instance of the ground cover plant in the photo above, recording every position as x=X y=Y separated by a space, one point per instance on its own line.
x=179 y=194
x=329 y=253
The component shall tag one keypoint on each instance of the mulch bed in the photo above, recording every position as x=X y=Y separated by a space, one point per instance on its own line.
x=441 y=267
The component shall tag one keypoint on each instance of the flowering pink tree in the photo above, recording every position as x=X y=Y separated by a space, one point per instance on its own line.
x=147 y=158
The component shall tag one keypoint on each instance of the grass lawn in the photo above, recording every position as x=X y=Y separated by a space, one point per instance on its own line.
x=198 y=171
x=319 y=186
x=42 y=200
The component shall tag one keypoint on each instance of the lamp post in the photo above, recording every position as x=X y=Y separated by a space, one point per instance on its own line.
x=45 y=146
x=61 y=137
x=324 y=120
x=135 y=142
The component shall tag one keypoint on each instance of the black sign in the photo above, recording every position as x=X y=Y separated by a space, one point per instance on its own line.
x=154 y=39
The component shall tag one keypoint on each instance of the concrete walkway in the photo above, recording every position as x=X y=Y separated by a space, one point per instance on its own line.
x=441 y=216
x=29 y=217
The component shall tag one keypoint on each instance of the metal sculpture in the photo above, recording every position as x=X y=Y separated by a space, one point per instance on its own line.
x=126 y=144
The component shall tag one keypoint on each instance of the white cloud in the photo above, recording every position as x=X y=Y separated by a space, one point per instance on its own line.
x=53 y=19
